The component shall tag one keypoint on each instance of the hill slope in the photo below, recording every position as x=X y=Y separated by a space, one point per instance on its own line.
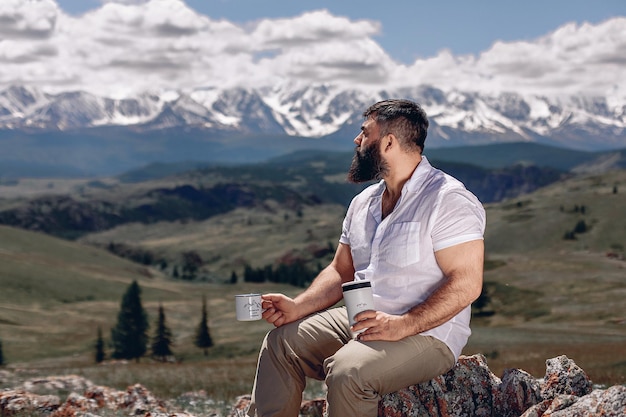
x=55 y=294
x=552 y=294
x=507 y=154
x=539 y=221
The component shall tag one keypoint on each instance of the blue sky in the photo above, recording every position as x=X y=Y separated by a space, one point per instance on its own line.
x=412 y=29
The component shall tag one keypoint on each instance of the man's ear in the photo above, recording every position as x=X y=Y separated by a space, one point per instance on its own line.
x=389 y=141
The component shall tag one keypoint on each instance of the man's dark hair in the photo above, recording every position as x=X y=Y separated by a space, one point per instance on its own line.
x=404 y=118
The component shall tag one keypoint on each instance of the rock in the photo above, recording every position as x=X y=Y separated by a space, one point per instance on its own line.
x=135 y=401
x=241 y=406
x=599 y=403
x=610 y=402
x=77 y=405
x=518 y=391
x=25 y=403
x=468 y=389
x=563 y=376
x=57 y=383
x=546 y=407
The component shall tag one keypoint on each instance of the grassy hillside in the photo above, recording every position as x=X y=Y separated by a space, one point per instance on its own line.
x=56 y=293
x=537 y=223
x=229 y=242
x=546 y=295
x=552 y=294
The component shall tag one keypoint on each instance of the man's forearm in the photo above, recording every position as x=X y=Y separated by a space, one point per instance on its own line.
x=446 y=302
x=324 y=292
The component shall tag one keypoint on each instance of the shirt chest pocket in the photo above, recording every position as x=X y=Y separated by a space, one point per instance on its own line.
x=401 y=246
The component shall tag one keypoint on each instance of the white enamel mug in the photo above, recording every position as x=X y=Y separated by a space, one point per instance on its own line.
x=248 y=307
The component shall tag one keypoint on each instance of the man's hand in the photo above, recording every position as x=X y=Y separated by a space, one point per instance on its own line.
x=278 y=309
x=379 y=326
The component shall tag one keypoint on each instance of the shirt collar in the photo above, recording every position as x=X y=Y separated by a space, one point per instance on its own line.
x=411 y=186
x=419 y=176
x=417 y=179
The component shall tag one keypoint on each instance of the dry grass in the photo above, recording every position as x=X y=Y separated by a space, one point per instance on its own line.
x=528 y=347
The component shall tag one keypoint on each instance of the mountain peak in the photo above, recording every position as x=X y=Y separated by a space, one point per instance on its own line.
x=458 y=117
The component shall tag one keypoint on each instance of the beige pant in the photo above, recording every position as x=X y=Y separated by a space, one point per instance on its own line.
x=357 y=373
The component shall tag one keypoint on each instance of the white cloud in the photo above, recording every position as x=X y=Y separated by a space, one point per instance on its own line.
x=312 y=27
x=574 y=58
x=31 y=19
x=129 y=46
x=586 y=59
x=124 y=1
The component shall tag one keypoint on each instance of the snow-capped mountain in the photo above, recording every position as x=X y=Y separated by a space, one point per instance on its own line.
x=457 y=117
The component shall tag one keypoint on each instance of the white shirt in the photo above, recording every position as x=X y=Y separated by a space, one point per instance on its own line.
x=397 y=254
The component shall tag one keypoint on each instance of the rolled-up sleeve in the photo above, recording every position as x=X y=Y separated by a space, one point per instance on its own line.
x=460 y=218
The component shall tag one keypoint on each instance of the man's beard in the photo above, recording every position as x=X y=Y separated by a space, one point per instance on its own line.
x=367 y=166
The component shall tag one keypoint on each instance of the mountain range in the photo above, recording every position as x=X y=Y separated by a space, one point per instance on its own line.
x=247 y=125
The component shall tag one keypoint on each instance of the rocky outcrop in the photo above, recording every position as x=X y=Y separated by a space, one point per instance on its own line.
x=21 y=402
x=469 y=389
x=135 y=401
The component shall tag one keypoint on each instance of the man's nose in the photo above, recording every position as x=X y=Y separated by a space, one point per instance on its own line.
x=358 y=139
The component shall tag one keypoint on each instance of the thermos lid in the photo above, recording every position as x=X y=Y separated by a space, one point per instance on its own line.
x=354 y=285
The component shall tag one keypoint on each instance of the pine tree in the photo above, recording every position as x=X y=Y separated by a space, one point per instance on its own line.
x=129 y=336
x=162 y=341
x=1 y=355
x=99 y=346
x=581 y=227
x=203 y=337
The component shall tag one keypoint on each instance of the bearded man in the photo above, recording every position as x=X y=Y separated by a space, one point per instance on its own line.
x=417 y=236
